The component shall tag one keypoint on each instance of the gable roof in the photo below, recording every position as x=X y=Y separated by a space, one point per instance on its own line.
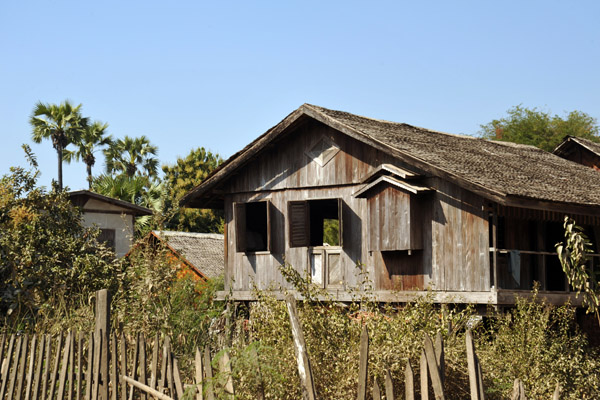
x=80 y=197
x=203 y=252
x=567 y=143
x=508 y=173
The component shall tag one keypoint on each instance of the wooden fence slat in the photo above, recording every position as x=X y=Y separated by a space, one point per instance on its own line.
x=409 y=382
x=145 y=388
x=71 y=371
x=30 y=372
x=22 y=367
x=55 y=367
x=439 y=355
x=177 y=379
x=46 y=372
x=225 y=367
x=376 y=390
x=13 y=374
x=170 y=383
x=142 y=366
x=434 y=370
x=424 y=377
x=154 y=364
x=198 y=375
x=303 y=361
x=472 y=366
x=208 y=375
x=363 y=365
x=389 y=386
x=114 y=376
x=123 y=367
x=35 y=391
x=103 y=300
x=3 y=342
x=479 y=378
x=163 y=366
x=6 y=365
x=98 y=339
x=64 y=367
x=556 y=395
x=134 y=373
x=89 y=376
x=79 y=366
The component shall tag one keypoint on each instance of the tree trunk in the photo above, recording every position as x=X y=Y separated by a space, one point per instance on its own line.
x=89 y=174
x=59 y=151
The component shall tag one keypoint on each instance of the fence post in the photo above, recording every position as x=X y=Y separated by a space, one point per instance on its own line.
x=409 y=382
x=304 y=369
x=434 y=369
x=389 y=385
x=472 y=366
x=363 y=371
x=103 y=299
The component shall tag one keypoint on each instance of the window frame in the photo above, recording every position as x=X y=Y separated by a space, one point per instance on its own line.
x=240 y=226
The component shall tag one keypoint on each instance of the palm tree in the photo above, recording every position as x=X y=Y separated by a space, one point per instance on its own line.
x=59 y=123
x=129 y=155
x=87 y=144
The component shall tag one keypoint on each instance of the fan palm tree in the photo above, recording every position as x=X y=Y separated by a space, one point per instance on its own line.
x=87 y=144
x=132 y=155
x=59 y=123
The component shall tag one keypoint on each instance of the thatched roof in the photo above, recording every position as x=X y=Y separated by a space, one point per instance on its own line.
x=510 y=174
x=204 y=252
x=569 y=141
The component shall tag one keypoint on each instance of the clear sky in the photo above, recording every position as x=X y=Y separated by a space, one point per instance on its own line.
x=218 y=74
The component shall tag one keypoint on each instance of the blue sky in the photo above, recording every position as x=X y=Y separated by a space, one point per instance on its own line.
x=218 y=74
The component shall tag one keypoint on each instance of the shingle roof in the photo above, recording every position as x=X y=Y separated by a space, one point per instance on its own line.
x=500 y=170
x=588 y=144
x=204 y=251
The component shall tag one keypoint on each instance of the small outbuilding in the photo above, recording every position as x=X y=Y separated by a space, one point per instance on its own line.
x=580 y=150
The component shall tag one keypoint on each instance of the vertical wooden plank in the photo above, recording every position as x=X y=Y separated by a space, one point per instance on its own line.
x=225 y=367
x=134 y=368
x=424 y=377
x=22 y=367
x=6 y=365
x=389 y=385
x=30 y=373
x=409 y=382
x=65 y=364
x=472 y=366
x=2 y=344
x=434 y=370
x=154 y=365
x=479 y=378
x=35 y=391
x=439 y=354
x=198 y=375
x=54 y=372
x=89 y=376
x=170 y=383
x=13 y=374
x=46 y=367
x=71 y=372
x=515 y=393
x=103 y=300
x=208 y=374
x=163 y=365
x=303 y=361
x=363 y=365
x=114 y=377
x=142 y=366
x=556 y=395
x=123 y=367
x=177 y=379
x=78 y=392
x=98 y=339
x=495 y=245
x=376 y=390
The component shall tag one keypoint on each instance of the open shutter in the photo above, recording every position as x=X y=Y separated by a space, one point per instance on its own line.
x=239 y=210
x=341 y=222
x=269 y=235
x=298 y=223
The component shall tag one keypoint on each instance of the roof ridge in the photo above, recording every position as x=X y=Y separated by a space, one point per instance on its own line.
x=219 y=236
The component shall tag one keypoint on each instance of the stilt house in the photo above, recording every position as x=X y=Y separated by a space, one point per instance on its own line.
x=336 y=194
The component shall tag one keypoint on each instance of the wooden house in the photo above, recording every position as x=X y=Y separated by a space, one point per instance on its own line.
x=115 y=218
x=336 y=194
x=580 y=150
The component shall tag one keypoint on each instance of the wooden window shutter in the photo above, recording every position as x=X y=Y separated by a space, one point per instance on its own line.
x=298 y=223
x=269 y=222
x=239 y=210
x=341 y=222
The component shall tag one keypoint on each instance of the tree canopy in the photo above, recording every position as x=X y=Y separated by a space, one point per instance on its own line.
x=540 y=128
x=180 y=178
x=131 y=156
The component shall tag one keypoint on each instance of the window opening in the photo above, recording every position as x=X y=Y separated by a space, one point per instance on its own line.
x=252 y=226
x=107 y=236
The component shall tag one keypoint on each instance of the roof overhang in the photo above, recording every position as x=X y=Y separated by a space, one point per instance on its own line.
x=80 y=197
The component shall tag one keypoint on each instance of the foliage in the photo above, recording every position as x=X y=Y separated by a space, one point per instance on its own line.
x=573 y=256
x=48 y=261
x=182 y=177
x=540 y=128
x=62 y=124
x=132 y=156
x=87 y=143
